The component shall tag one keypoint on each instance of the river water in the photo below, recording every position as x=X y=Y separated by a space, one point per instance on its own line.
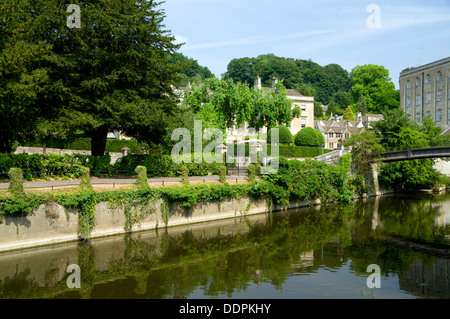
x=315 y=252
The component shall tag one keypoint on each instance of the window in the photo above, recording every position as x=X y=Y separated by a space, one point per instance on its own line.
x=439 y=76
x=303 y=122
x=428 y=98
x=417 y=82
x=448 y=116
x=439 y=96
x=418 y=98
x=408 y=85
x=408 y=102
x=428 y=114
x=303 y=107
x=330 y=135
x=418 y=117
x=428 y=80
x=439 y=116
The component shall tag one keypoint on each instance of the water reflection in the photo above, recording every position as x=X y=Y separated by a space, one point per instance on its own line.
x=318 y=252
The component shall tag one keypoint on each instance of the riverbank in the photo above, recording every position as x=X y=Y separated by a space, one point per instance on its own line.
x=52 y=223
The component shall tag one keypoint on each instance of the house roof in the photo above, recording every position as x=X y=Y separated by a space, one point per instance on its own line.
x=289 y=92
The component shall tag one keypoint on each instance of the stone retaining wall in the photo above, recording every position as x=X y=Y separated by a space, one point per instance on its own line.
x=52 y=223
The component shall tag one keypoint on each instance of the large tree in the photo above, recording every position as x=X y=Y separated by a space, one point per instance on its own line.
x=374 y=84
x=112 y=73
x=22 y=76
x=236 y=104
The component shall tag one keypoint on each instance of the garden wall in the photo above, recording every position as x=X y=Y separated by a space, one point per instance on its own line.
x=51 y=223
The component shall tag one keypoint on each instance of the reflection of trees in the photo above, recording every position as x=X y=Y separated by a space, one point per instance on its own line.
x=175 y=265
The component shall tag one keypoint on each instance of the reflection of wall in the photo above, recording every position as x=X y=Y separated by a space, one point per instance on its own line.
x=432 y=281
x=306 y=260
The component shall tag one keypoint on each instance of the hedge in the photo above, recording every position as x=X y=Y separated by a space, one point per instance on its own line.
x=84 y=144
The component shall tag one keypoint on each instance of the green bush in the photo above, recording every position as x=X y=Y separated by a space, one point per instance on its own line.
x=142 y=179
x=284 y=135
x=309 y=137
x=84 y=144
x=85 y=183
x=16 y=182
x=222 y=174
x=184 y=172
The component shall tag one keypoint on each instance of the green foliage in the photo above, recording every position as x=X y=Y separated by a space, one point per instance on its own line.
x=366 y=150
x=305 y=76
x=309 y=137
x=142 y=179
x=85 y=183
x=284 y=135
x=374 y=84
x=222 y=174
x=84 y=144
x=348 y=114
x=251 y=171
x=184 y=172
x=112 y=73
x=22 y=75
x=15 y=182
x=398 y=132
x=191 y=71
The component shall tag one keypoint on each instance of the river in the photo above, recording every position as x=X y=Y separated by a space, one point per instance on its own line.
x=315 y=252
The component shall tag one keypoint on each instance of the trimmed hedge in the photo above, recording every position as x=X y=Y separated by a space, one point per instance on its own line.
x=84 y=144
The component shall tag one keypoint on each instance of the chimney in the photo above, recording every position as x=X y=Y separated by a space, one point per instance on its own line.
x=274 y=81
x=257 y=83
x=359 y=116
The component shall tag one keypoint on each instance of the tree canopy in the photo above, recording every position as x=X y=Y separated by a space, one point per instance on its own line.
x=237 y=104
x=112 y=73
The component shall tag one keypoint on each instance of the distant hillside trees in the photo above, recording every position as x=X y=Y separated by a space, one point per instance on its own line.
x=367 y=88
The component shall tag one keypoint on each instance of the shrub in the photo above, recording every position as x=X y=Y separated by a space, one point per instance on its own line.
x=85 y=183
x=251 y=169
x=184 y=172
x=309 y=137
x=142 y=179
x=16 y=182
x=222 y=174
x=284 y=137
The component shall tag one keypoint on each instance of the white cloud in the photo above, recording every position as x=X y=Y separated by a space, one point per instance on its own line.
x=180 y=39
x=257 y=39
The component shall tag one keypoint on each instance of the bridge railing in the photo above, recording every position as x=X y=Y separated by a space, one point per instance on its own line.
x=418 y=153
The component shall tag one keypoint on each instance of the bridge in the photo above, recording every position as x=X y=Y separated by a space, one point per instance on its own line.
x=417 y=153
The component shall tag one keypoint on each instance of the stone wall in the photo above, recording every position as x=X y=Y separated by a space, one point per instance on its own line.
x=52 y=223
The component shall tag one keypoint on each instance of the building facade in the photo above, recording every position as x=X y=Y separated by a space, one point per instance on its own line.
x=304 y=103
x=336 y=129
x=425 y=91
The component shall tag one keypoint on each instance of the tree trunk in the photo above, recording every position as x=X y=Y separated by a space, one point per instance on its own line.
x=5 y=141
x=98 y=141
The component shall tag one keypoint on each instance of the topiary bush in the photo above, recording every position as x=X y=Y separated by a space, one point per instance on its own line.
x=16 y=182
x=85 y=183
x=284 y=135
x=184 y=172
x=142 y=179
x=309 y=137
x=223 y=174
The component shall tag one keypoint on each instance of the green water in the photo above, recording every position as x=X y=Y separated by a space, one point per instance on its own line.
x=317 y=252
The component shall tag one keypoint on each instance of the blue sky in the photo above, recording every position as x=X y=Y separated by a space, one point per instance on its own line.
x=346 y=32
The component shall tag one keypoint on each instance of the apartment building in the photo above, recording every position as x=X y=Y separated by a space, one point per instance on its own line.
x=425 y=91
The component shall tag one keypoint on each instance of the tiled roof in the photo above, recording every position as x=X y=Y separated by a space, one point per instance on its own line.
x=290 y=92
